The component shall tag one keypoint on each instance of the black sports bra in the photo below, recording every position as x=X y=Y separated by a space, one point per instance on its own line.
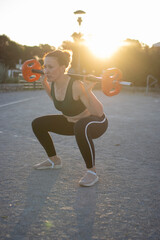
x=68 y=106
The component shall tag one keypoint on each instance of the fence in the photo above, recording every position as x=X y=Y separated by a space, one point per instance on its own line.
x=154 y=82
x=31 y=85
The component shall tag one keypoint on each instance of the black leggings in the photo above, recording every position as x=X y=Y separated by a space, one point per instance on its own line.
x=84 y=130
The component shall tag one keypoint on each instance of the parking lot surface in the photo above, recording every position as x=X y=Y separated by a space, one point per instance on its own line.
x=49 y=204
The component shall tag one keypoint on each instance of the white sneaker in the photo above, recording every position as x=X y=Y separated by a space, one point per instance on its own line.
x=48 y=164
x=89 y=179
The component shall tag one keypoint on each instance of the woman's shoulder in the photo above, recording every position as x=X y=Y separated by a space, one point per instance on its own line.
x=77 y=88
x=77 y=83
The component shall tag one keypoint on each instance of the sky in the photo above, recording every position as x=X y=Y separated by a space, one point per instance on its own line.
x=106 y=24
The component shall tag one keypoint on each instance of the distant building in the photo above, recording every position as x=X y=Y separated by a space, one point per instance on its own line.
x=156 y=44
x=15 y=72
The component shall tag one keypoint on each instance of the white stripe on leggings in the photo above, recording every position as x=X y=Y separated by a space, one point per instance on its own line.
x=87 y=136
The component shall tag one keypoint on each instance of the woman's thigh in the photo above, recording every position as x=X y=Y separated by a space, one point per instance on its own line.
x=54 y=123
x=92 y=126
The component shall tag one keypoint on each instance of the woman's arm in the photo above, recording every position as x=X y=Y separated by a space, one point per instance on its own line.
x=46 y=86
x=88 y=98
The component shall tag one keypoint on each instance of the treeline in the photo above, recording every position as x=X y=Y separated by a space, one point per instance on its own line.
x=135 y=60
x=11 y=52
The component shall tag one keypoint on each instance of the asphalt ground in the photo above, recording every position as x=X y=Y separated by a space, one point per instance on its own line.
x=49 y=204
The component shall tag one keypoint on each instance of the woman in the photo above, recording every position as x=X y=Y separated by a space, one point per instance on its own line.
x=82 y=114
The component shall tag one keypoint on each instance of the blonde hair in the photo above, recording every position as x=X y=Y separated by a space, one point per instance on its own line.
x=63 y=57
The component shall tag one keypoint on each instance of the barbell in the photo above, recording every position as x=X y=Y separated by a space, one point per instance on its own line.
x=110 y=81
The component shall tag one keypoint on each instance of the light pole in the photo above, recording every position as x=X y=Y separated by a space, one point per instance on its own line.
x=79 y=14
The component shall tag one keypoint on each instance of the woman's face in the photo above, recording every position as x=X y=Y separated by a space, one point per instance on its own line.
x=52 y=69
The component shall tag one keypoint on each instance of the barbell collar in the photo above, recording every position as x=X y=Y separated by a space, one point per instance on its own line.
x=125 y=83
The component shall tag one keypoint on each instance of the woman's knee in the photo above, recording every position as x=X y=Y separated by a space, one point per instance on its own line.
x=36 y=123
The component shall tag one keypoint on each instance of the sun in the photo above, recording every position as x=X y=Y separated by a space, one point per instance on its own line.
x=101 y=47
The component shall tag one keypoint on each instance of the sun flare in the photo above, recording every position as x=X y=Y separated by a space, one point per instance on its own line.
x=103 y=48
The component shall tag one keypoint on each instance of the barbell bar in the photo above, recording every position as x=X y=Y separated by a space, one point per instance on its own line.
x=90 y=77
x=110 y=81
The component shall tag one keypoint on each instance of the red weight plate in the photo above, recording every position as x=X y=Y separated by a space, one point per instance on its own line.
x=111 y=81
x=27 y=67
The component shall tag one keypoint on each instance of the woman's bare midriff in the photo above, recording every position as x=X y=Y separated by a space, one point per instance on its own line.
x=74 y=119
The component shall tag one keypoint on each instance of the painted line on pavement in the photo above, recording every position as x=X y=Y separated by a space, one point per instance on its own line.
x=15 y=102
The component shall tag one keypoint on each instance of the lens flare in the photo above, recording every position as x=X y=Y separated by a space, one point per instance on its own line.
x=103 y=48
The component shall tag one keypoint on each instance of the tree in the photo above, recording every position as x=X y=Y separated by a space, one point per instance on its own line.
x=10 y=51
